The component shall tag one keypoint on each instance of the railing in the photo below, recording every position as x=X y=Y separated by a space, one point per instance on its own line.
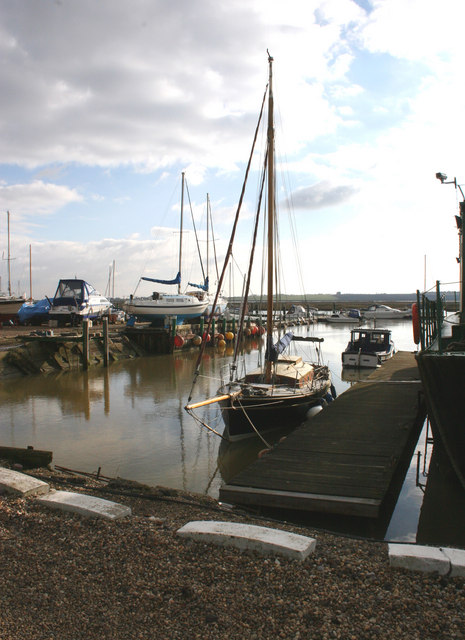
x=431 y=315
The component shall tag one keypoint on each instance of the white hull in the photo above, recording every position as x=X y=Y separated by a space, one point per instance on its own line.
x=341 y=320
x=91 y=311
x=174 y=305
x=364 y=360
x=383 y=312
x=9 y=306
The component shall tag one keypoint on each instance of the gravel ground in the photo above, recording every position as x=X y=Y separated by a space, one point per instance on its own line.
x=65 y=577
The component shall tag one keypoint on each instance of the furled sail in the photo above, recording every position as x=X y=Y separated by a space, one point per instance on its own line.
x=203 y=286
x=177 y=280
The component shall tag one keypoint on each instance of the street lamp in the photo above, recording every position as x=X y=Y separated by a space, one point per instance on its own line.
x=459 y=220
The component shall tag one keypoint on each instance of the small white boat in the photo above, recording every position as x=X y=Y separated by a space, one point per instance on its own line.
x=344 y=317
x=383 y=312
x=9 y=306
x=76 y=300
x=368 y=348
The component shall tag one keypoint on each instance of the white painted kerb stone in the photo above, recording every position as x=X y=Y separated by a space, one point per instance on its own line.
x=418 y=558
x=249 y=537
x=21 y=484
x=457 y=561
x=85 y=505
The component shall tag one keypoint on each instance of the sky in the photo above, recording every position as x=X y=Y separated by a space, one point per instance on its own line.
x=105 y=103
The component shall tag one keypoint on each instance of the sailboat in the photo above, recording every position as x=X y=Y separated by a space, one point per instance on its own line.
x=161 y=306
x=221 y=302
x=282 y=391
x=9 y=303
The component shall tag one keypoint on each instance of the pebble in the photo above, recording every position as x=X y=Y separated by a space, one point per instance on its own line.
x=66 y=577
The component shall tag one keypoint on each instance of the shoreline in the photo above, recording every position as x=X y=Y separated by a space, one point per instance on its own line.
x=68 y=577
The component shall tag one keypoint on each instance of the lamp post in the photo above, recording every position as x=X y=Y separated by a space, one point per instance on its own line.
x=460 y=225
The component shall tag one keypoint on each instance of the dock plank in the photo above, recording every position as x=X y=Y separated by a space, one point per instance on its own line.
x=344 y=459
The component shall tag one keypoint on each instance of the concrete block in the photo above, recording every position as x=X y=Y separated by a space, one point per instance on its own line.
x=21 y=484
x=85 y=505
x=249 y=537
x=457 y=561
x=418 y=558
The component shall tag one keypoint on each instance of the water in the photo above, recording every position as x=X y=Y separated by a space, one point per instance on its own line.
x=129 y=419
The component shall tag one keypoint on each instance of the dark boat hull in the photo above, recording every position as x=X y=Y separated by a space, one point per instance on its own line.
x=443 y=379
x=266 y=414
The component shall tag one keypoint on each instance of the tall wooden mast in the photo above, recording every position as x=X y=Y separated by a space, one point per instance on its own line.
x=271 y=215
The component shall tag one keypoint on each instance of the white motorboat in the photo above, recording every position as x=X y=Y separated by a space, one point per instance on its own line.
x=76 y=300
x=383 y=312
x=368 y=348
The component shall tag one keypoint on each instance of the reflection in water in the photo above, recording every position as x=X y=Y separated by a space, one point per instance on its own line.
x=442 y=515
x=129 y=420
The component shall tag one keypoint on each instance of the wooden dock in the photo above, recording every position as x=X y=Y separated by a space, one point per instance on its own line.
x=344 y=460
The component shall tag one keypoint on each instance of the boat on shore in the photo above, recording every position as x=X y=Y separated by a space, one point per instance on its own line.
x=160 y=307
x=368 y=348
x=10 y=304
x=285 y=387
x=441 y=360
x=76 y=300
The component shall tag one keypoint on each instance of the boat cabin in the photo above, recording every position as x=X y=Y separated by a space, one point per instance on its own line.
x=290 y=371
x=370 y=340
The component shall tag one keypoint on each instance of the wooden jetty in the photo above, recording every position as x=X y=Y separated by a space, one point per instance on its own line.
x=344 y=460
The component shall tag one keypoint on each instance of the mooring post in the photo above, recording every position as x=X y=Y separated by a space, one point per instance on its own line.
x=173 y=326
x=85 y=343
x=106 y=346
x=213 y=327
x=202 y=323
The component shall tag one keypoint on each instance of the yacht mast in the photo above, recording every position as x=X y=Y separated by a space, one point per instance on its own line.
x=271 y=201
x=180 y=229
x=8 y=255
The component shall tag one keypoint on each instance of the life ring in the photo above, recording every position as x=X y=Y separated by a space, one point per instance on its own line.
x=416 y=323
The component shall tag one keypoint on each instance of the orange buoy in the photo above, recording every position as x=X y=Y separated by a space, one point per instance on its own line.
x=178 y=341
x=221 y=344
x=229 y=335
x=219 y=336
x=416 y=323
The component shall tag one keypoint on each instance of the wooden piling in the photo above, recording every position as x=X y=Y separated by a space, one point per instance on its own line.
x=106 y=346
x=85 y=343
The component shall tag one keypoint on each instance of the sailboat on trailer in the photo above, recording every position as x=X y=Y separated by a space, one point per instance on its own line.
x=161 y=306
x=280 y=393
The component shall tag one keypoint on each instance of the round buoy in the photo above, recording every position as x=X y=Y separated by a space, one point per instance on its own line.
x=229 y=335
x=197 y=341
x=313 y=411
x=178 y=341
x=261 y=330
x=253 y=329
x=221 y=344
x=416 y=323
x=219 y=336
x=206 y=337
x=247 y=332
